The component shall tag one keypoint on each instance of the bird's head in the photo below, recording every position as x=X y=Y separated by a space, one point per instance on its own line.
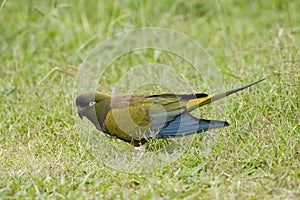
x=90 y=105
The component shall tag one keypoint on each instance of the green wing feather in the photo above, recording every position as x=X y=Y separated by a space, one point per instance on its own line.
x=138 y=115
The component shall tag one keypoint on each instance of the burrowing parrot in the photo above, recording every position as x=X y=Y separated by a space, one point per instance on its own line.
x=139 y=118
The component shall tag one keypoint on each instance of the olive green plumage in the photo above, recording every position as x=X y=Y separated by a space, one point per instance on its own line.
x=139 y=118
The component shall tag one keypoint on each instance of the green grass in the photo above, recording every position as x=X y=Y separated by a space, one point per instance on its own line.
x=42 y=154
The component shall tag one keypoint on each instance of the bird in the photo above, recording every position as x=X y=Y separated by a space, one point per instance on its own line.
x=140 y=118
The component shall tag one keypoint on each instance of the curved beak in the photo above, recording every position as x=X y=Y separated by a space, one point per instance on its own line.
x=80 y=115
x=80 y=111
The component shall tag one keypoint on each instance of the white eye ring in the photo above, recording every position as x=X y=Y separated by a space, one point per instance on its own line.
x=92 y=103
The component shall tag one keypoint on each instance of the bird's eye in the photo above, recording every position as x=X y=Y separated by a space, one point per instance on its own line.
x=92 y=103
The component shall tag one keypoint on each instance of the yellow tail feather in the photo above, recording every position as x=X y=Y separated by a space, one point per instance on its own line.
x=195 y=103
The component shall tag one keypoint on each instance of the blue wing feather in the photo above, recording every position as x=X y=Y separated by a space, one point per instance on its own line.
x=186 y=124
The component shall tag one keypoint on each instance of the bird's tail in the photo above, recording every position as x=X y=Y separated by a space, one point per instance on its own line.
x=195 y=103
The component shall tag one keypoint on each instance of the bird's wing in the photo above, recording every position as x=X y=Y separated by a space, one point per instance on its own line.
x=146 y=113
x=164 y=108
x=147 y=107
x=185 y=124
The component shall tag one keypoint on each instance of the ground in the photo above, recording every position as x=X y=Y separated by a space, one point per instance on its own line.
x=42 y=154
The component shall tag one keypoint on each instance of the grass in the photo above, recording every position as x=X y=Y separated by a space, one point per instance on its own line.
x=42 y=154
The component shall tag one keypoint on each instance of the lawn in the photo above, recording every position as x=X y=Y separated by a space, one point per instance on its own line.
x=44 y=46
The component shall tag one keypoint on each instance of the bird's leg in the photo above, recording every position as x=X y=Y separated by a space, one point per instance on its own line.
x=139 y=149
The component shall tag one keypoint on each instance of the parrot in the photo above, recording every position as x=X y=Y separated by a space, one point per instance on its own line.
x=139 y=118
